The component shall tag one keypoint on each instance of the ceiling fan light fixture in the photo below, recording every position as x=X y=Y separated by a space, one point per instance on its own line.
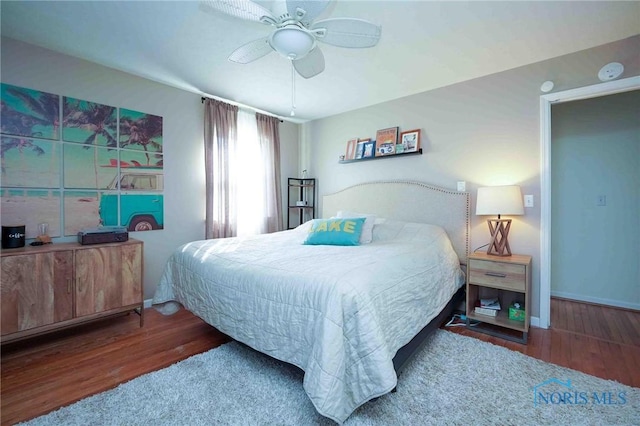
x=292 y=42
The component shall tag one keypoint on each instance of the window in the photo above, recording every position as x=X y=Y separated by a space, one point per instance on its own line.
x=242 y=167
x=248 y=175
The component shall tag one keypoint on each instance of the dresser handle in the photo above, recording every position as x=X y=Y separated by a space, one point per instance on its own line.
x=495 y=274
x=68 y=285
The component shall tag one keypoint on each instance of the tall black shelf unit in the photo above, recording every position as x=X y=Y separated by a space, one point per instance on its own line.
x=301 y=201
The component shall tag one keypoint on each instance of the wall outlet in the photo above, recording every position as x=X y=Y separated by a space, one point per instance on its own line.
x=462 y=186
x=528 y=200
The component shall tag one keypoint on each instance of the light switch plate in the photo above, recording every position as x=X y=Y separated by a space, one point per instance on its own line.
x=462 y=186
x=528 y=200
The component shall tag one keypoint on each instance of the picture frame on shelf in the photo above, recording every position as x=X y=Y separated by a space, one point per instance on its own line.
x=360 y=149
x=410 y=141
x=350 y=153
x=369 y=148
x=386 y=140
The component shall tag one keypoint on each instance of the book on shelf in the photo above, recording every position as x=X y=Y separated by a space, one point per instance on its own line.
x=491 y=303
x=486 y=311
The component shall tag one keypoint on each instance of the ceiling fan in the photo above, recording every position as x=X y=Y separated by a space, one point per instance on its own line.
x=295 y=33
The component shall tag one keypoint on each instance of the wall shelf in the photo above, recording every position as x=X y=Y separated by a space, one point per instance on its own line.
x=401 y=154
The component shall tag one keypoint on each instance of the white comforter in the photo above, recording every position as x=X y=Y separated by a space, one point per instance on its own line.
x=338 y=313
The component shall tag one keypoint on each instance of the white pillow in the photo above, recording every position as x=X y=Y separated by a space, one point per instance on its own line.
x=387 y=229
x=406 y=231
x=367 y=228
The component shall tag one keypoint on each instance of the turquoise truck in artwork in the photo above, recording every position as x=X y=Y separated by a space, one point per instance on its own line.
x=141 y=200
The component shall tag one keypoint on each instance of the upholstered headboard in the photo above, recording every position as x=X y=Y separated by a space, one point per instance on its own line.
x=411 y=202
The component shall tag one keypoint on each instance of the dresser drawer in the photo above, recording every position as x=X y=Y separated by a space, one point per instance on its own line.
x=496 y=274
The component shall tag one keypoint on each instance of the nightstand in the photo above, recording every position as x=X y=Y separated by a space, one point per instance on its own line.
x=509 y=279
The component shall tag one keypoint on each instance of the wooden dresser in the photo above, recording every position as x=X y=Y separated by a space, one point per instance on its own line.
x=50 y=287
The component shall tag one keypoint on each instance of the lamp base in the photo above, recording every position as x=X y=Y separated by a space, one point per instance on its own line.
x=499 y=245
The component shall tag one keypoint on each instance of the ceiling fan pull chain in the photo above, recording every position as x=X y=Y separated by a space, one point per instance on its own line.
x=293 y=90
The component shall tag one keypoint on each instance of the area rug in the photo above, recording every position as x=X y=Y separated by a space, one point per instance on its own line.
x=455 y=380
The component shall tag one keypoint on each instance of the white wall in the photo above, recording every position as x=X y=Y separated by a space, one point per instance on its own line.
x=289 y=154
x=184 y=194
x=484 y=131
x=595 y=151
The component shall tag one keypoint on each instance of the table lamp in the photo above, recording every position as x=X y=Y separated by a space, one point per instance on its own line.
x=499 y=200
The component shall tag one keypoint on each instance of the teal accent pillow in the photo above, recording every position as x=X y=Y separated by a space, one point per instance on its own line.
x=335 y=232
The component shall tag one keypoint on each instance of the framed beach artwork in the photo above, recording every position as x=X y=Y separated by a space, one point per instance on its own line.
x=140 y=131
x=30 y=163
x=386 y=140
x=30 y=154
x=89 y=123
x=29 y=112
x=80 y=211
x=31 y=207
x=88 y=165
x=410 y=140
x=135 y=195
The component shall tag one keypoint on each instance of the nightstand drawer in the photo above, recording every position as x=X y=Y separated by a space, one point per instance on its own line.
x=498 y=275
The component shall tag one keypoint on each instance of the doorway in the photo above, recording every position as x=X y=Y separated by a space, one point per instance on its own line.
x=595 y=174
x=546 y=102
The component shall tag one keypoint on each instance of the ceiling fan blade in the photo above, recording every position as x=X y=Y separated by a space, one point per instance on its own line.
x=243 y=9
x=251 y=51
x=311 y=65
x=306 y=11
x=347 y=32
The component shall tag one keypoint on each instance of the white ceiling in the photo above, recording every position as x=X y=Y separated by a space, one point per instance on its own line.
x=424 y=45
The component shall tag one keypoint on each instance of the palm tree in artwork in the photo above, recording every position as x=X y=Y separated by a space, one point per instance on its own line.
x=16 y=123
x=44 y=111
x=98 y=120
x=141 y=132
x=20 y=144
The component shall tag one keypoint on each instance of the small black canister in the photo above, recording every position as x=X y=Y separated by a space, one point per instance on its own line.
x=12 y=236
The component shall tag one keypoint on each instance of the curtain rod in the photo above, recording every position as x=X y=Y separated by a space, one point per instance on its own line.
x=202 y=99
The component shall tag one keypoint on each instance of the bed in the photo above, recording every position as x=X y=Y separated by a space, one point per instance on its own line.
x=350 y=317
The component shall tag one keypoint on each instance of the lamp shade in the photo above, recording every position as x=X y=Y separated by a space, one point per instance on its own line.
x=499 y=200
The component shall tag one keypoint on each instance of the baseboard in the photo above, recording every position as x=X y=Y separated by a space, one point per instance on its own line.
x=535 y=322
x=596 y=300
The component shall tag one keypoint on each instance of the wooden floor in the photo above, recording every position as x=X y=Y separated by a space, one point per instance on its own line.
x=45 y=373
x=594 y=339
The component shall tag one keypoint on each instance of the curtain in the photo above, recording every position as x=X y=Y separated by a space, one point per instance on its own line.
x=220 y=127
x=269 y=137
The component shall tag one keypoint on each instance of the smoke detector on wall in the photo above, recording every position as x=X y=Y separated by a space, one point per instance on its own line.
x=610 y=71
